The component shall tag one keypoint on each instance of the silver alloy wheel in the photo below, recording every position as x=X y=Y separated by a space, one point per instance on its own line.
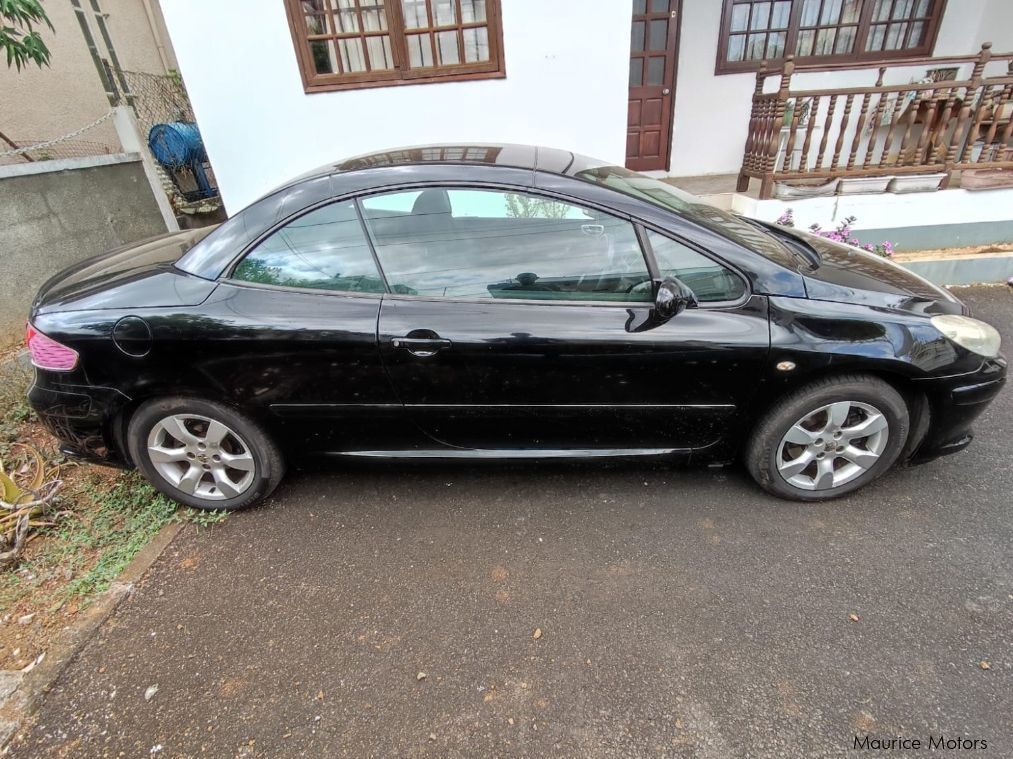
x=201 y=456
x=832 y=445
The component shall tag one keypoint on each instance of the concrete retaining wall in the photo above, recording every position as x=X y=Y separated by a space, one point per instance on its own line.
x=55 y=213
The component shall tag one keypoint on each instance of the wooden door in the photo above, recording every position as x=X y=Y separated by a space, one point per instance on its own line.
x=654 y=54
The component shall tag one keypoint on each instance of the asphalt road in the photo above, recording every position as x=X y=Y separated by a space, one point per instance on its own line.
x=682 y=613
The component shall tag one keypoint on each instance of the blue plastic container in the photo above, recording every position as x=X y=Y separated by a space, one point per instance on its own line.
x=176 y=144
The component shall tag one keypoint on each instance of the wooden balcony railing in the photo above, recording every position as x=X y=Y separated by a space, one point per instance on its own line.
x=880 y=130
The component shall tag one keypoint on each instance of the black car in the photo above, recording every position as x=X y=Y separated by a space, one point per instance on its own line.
x=501 y=301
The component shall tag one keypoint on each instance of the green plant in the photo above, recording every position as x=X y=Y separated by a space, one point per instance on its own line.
x=841 y=233
x=18 y=36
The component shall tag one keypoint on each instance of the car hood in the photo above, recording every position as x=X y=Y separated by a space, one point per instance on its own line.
x=847 y=274
x=138 y=274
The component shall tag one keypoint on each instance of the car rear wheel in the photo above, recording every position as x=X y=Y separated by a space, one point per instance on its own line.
x=203 y=454
x=828 y=438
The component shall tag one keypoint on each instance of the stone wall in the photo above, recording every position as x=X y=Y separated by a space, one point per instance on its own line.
x=56 y=213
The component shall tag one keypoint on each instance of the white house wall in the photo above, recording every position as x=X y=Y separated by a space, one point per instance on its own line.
x=712 y=112
x=566 y=86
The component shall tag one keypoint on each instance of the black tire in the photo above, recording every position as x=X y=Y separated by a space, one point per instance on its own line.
x=268 y=469
x=762 y=450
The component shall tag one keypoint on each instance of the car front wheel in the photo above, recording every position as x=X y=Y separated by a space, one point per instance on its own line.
x=203 y=454
x=828 y=438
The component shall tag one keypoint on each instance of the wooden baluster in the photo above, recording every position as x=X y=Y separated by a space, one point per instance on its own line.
x=754 y=126
x=928 y=127
x=1007 y=132
x=937 y=153
x=996 y=103
x=827 y=122
x=963 y=138
x=895 y=111
x=874 y=124
x=863 y=113
x=814 y=108
x=912 y=114
x=789 y=148
x=767 y=183
x=984 y=105
x=839 y=145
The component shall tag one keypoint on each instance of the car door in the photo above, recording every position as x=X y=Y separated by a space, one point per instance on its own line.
x=519 y=321
x=293 y=335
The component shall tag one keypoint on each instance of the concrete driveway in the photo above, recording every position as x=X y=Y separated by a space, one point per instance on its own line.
x=682 y=613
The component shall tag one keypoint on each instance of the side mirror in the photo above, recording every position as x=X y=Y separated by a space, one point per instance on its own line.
x=672 y=298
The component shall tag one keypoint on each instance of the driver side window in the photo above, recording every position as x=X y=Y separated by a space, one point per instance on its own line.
x=459 y=243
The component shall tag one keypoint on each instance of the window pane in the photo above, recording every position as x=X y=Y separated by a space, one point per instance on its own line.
x=414 y=12
x=639 y=7
x=348 y=21
x=709 y=280
x=831 y=12
x=780 y=15
x=756 y=47
x=845 y=40
x=636 y=72
x=325 y=249
x=882 y=10
x=761 y=16
x=324 y=61
x=659 y=6
x=353 y=59
x=374 y=17
x=825 y=39
x=852 y=10
x=659 y=34
x=380 y=56
x=420 y=51
x=922 y=9
x=488 y=244
x=736 y=47
x=892 y=37
x=775 y=45
x=446 y=48
x=810 y=12
x=637 y=39
x=917 y=34
x=902 y=9
x=445 y=11
x=806 y=39
x=740 y=18
x=316 y=23
x=877 y=34
x=655 y=72
x=472 y=11
x=476 y=44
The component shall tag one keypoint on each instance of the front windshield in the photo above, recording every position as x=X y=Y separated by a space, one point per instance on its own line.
x=683 y=203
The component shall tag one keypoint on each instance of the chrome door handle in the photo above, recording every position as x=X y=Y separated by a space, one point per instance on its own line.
x=423 y=347
x=666 y=91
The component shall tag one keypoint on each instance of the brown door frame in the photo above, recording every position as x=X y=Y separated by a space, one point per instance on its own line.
x=643 y=92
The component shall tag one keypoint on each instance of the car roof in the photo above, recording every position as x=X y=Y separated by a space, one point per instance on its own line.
x=488 y=154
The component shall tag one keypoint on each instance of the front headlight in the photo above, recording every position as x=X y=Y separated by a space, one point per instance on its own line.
x=976 y=336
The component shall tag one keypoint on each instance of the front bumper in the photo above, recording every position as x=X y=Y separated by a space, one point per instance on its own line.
x=80 y=417
x=954 y=404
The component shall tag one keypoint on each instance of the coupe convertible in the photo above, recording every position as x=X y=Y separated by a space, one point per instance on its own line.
x=501 y=301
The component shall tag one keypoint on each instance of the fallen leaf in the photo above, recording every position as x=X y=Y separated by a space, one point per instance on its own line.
x=432 y=736
x=511 y=720
x=150 y=692
x=421 y=676
x=320 y=696
x=984 y=664
x=853 y=617
x=537 y=633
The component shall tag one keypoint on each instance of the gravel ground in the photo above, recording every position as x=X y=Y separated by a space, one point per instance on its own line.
x=390 y=610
